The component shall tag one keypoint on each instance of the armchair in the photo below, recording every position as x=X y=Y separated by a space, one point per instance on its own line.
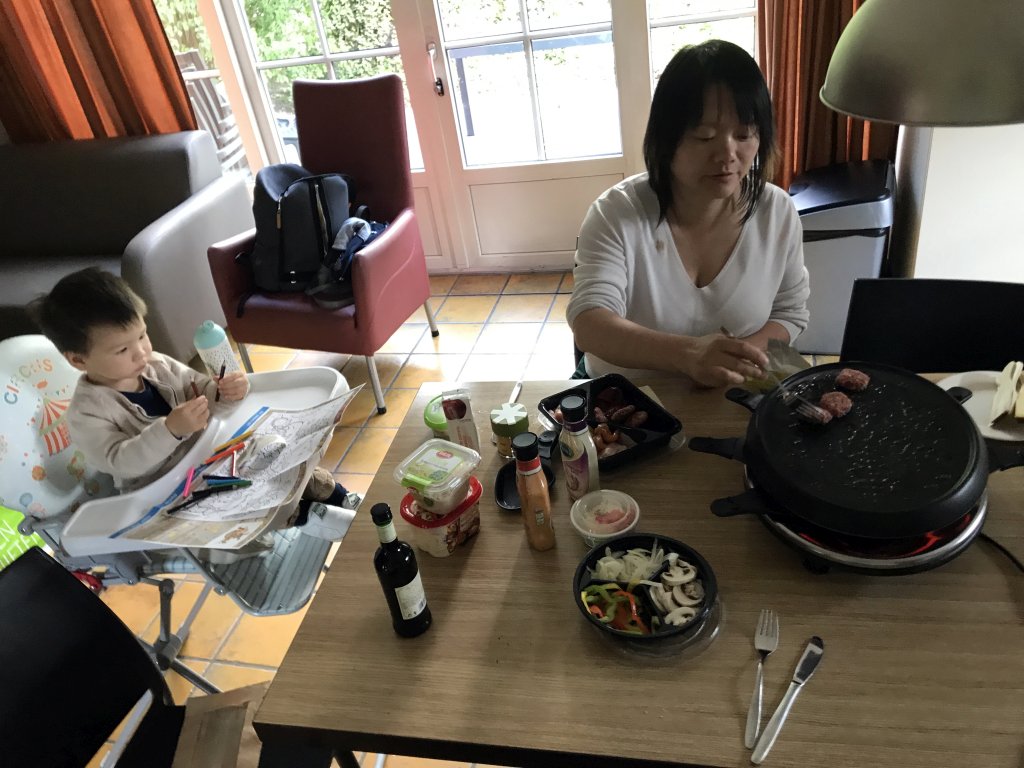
x=355 y=127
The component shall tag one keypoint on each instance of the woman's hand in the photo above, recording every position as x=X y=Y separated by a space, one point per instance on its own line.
x=234 y=386
x=718 y=360
x=188 y=417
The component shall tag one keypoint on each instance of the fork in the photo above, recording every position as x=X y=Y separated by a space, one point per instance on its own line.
x=804 y=408
x=766 y=640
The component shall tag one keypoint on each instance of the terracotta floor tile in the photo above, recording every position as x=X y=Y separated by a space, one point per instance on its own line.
x=354 y=482
x=388 y=365
x=420 y=316
x=308 y=359
x=441 y=284
x=274 y=362
x=476 y=285
x=265 y=349
x=405 y=338
x=534 y=282
x=543 y=367
x=558 y=307
x=506 y=338
x=567 y=283
x=554 y=337
x=522 y=309
x=361 y=408
x=454 y=338
x=136 y=605
x=340 y=443
x=401 y=761
x=494 y=367
x=422 y=368
x=213 y=623
x=366 y=454
x=227 y=677
x=181 y=688
x=261 y=640
x=466 y=309
x=365 y=759
x=822 y=359
x=97 y=759
x=398 y=402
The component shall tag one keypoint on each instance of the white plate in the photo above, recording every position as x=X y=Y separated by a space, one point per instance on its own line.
x=983 y=385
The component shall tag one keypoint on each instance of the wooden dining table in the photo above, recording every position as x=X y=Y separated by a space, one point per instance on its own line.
x=919 y=670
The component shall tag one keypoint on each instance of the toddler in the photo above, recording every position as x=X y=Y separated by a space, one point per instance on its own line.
x=135 y=412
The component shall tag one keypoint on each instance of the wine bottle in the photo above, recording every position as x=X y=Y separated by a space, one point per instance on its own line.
x=399 y=575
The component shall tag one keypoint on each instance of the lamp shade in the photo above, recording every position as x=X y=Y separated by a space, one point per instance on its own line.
x=930 y=62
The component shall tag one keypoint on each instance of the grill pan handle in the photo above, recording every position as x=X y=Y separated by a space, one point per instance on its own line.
x=960 y=394
x=726 y=447
x=747 y=399
x=747 y=503
x=1003 y=455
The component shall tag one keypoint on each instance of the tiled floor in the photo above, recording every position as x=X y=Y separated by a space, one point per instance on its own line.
x=493 y=327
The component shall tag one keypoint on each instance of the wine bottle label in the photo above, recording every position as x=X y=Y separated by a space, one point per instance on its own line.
x=411 y=599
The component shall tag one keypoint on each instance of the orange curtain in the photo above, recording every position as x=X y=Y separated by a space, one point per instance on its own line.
x=82 y=69
x=795 y=42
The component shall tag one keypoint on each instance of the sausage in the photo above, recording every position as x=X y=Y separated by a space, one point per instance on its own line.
x=853 y=380
x=836 y=403
x=638 y=419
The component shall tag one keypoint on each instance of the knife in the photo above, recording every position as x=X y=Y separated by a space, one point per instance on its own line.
x=804 y=669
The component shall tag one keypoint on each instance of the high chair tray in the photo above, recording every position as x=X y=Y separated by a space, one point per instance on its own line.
x=90 y=531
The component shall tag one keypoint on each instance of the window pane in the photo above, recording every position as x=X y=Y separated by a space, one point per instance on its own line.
x=278 y=82
x=492 y=100
x=282 y=29
x=547 y=14
x=661 y=9
x=185 y=30
x=665 y=41
x=360 y=26
x=478 y=18
x=579 y=101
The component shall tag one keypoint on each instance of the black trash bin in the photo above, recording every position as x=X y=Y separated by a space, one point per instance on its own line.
x=846 y=211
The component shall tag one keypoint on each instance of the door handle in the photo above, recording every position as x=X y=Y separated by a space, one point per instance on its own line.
x=438 y=83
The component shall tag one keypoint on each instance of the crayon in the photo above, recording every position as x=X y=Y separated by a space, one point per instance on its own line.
x=225 y=452
x=228 y=443
x=195 y=389
x=188 y=480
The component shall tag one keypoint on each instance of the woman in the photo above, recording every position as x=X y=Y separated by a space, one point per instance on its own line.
x=692 y=267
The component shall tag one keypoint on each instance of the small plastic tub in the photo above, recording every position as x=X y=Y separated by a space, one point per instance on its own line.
x=602 y=515
x=433 y=417
x=437 y=474
x=440 y=535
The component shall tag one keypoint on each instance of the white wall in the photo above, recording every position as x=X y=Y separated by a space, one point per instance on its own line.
x=969 y=206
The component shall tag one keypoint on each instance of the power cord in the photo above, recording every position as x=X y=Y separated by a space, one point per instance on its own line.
x=1012 y=557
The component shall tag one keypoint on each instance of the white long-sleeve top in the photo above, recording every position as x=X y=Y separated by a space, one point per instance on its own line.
x=627 y=262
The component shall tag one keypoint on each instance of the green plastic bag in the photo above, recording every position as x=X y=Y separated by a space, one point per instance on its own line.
x=13 y=543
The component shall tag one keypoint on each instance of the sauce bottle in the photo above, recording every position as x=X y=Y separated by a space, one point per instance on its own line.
x=533 y=492
x=579 y=453
x=399 y=575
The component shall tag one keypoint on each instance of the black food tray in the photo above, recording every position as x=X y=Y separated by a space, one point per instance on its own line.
x=656 y=432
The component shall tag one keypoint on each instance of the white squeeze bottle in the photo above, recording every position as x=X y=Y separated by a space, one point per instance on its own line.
x=579 y=454
x=215 y=350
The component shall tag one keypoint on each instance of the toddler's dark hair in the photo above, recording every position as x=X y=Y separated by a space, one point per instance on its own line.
x=82 y=301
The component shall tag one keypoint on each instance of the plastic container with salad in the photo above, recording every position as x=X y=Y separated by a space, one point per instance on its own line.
x=437 y=474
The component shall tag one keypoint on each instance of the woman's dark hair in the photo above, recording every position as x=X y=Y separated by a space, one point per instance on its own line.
x=678 y=106
x=82 y=301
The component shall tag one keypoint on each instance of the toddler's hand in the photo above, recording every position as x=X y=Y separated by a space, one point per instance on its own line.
x=188 y=417
x=233 y=386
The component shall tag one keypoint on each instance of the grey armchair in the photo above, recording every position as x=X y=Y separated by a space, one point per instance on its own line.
x=144 y=207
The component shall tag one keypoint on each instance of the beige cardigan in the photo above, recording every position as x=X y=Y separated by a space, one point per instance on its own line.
x=119 y=437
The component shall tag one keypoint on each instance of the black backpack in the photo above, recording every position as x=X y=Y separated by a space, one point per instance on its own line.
x=297 y=217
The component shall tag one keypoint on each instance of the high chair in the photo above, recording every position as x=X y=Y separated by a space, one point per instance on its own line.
x=76 y=509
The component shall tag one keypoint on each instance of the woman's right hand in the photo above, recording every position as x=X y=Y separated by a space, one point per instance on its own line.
x=718 y=361
x=188 y=417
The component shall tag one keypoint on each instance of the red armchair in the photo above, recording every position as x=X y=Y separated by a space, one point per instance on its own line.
x=356 y=127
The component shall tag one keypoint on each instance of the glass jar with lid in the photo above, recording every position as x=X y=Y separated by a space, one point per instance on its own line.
x=507 y=421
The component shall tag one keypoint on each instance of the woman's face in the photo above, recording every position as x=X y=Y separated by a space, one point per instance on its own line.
x=713 y=157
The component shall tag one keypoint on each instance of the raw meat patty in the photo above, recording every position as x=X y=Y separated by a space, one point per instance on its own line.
x=853 y=380
x=836 y=403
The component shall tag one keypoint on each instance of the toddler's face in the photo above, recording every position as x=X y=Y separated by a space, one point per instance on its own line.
x=117 y=356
